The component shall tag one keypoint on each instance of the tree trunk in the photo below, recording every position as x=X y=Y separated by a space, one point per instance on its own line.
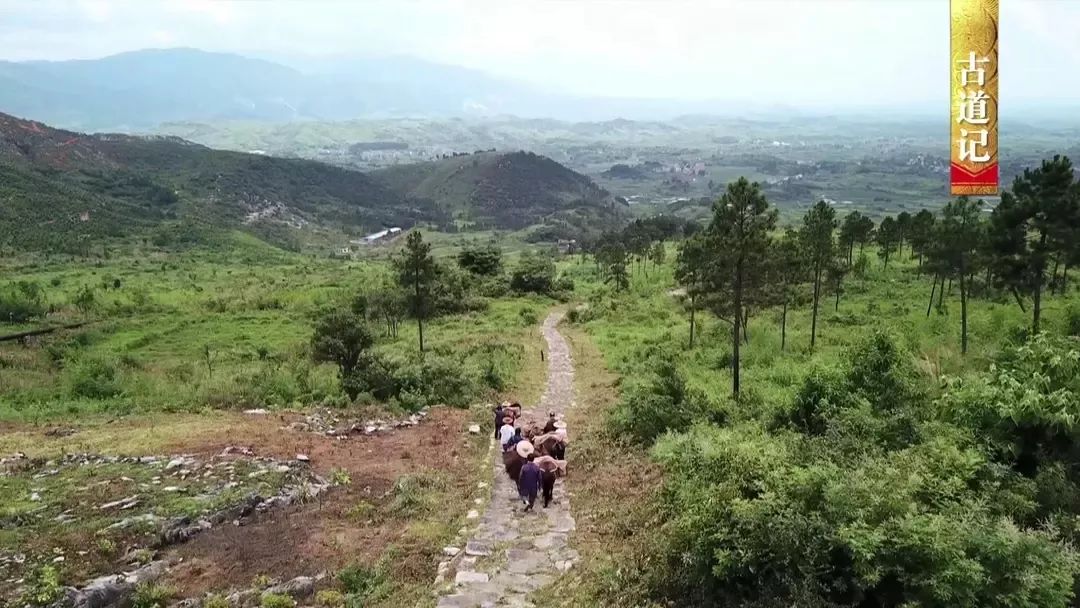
x=933 y=290
x=850 y=251
x=693 y=308
x=735 y=341
x=941 y=292
x=1019 y=302
x=813 y=321
x=419 y=312
x=1065 y=277
x=783 y=326
x=746 y=325
x=1053 y=276
x=836 y=307
x=1036 y=307
x=963 y=312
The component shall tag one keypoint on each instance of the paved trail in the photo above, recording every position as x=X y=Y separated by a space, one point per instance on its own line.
x=511 y=553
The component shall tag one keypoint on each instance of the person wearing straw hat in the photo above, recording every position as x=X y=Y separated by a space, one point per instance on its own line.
x=529 y=479
x=506 y=431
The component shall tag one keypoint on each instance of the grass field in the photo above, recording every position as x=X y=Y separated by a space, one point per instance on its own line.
x=176 y=347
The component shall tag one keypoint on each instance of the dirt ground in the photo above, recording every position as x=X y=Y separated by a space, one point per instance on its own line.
x=322 y=535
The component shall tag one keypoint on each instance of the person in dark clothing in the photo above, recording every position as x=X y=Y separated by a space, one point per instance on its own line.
x=529 y=480
x=514 y=440
x=550 y=426
x=558 y=451
x=547 y=482
x=499 y=414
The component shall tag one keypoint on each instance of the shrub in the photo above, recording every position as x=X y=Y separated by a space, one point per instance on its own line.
x=528 y=317
x=150 y=595
x=534 y=273
x=663 y=403
x=21 y=302
x=359 y=579
x=44 y=587
x=277 y=600
x=329 y=598
x=414 y=494
x=215 y=601
x=94 y=378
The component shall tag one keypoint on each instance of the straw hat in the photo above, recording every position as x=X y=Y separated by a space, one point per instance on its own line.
x=508 y=420
x=560 y=425
x=524 y=448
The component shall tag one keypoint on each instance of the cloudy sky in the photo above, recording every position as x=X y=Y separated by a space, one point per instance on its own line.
x=796 y=52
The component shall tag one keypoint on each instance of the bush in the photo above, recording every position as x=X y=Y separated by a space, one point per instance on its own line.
x=149 y=595
x=329 y=598
x=44 y=587
x=359 y=579
x=277 y=600
x=94 y=378
x=215 y=601
x=535 y=273
x=21 y=302
x=661 y=404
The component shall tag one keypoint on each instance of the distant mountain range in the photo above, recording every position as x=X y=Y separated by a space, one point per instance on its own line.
x=138 y=90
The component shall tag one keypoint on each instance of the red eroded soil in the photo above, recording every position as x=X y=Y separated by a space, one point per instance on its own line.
x=321 y=535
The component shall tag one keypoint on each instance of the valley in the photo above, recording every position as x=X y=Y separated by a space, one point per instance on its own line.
x=340 y=332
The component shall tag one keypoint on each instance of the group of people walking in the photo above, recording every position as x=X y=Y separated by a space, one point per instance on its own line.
x=534 y=456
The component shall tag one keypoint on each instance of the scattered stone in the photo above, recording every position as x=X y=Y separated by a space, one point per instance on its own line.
x=472 y=514
x=174 y=463
x=122 y=504
x=474 y=429
x=303 y=458
x=60 y=431
x=468 y=576
x=477 y=548
x=35 y=497
x=172 y=489
x=450 y=551
x=256 y=412
x=235 y=449
x=297 y=588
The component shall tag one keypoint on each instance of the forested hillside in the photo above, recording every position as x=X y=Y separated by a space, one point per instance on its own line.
x=843 y=413
x=508 y=190
x=62 y=190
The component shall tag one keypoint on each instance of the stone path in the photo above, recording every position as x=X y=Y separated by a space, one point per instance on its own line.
x=511 y=553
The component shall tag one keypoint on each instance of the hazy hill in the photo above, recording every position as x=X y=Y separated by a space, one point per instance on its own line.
x=60 y=189
x=506 y=190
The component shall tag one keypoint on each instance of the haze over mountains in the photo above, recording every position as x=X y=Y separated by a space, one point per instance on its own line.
x=139 y=90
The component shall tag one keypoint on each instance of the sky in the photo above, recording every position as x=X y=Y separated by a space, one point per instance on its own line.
x=788 y=52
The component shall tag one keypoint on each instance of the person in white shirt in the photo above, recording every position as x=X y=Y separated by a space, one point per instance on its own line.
x=506 y=431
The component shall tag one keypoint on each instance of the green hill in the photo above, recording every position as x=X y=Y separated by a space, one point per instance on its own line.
x=507 y=190
x=61 y=189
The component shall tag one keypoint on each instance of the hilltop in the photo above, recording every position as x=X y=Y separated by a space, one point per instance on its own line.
x=61 y=189
x=506 y=190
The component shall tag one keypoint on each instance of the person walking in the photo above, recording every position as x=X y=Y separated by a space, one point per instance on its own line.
x=550 y=426
x=529 y=481
x=506 y=431
x=499 y=415
x=514 y=440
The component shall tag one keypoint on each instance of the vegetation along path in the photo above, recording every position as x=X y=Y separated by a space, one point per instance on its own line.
x=512 y=553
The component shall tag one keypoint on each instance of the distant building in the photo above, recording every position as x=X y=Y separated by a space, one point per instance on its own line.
x=567 y=245
x=387 y=234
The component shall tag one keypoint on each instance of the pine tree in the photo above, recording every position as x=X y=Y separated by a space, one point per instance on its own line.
x=819 y=249
x=1033 y=223
x=738 y=242
x=888 y=235
x=960 y=234
x=416 y=273
x=690 y=269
